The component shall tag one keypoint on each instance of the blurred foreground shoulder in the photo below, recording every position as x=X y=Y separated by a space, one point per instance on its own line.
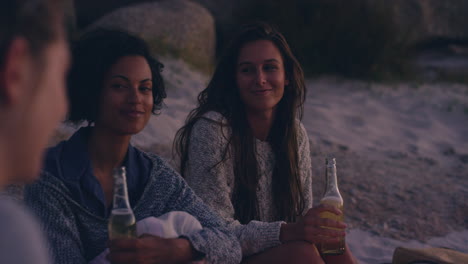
x=21 y=240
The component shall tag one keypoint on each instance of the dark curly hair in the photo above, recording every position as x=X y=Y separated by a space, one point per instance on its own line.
x=93 y=55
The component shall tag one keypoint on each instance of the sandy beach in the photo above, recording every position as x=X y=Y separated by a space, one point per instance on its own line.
x=402 y=161
x=403 y=153
x=401 y=150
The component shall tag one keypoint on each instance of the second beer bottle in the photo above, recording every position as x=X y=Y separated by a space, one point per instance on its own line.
x=122 y=223
x=332 y=197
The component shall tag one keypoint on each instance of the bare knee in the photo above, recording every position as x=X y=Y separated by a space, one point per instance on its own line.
x=292 y=252
x=303 y=252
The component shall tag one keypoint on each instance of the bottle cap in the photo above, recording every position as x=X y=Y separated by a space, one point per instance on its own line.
x=330 y=159
x=119 y=171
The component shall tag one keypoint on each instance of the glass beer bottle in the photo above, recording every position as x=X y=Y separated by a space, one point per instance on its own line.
x=122 y=223
x=332 y=197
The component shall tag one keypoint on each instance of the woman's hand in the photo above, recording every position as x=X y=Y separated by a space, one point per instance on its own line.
x=149 y=249
x=310 y=227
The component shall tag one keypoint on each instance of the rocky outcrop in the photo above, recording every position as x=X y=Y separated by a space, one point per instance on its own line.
x=69 y=14
x=422 y=21
x=417 y=20
x=351 y=37
x=89 y=11
x=179 y=28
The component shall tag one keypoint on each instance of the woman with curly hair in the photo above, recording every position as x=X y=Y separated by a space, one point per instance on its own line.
x=115 y=86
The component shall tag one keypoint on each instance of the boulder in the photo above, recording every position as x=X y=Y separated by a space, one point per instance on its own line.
x=88 y=11
x=179 y=28
x=417 y=20
x=424 y=21
x=69 y=15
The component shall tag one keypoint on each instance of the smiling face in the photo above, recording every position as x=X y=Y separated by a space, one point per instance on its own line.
x=260 y=76
x=127 y=97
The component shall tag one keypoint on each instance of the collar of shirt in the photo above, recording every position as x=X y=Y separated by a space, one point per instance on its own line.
x=70 y=162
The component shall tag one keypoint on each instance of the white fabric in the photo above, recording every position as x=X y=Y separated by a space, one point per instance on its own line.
x=170 y=225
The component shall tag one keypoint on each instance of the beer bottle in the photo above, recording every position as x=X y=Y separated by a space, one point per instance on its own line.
x=122 y=222
x=332 y=197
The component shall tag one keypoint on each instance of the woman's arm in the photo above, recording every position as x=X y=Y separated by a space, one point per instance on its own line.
x=213 y=182
x=58 y=223
x=308 y=227
x=215 y=241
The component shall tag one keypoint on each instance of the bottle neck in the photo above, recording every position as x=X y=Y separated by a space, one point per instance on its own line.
x=331 y=180
x=332 y=191
x=120 y=190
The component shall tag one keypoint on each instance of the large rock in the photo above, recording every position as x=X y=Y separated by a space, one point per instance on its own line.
x=89 y=11
x=421 y=21
x=69 y=15
x=417 y=21
x=179 y=28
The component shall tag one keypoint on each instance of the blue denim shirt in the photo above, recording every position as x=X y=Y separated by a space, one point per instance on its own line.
x=70 y=161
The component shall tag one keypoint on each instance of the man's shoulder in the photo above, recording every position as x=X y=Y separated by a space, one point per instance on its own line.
x=21 y=240
x=11 y=210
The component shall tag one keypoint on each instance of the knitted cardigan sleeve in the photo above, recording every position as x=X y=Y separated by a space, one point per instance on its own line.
x=58 y=222
x=213 y=181
x=215 y=241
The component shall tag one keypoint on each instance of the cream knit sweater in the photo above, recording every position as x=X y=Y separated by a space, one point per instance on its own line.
x=215 y=184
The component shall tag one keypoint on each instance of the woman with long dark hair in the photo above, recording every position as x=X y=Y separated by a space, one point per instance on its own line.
x=246 y=153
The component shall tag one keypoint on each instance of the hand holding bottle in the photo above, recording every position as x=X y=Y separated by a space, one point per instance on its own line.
x=122 y=223
x=332 y=198
x=310 y=227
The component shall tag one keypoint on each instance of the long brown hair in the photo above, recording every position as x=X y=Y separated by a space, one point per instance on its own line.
x=222 y=95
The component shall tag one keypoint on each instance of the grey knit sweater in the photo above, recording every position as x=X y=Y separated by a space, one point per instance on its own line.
x=215 y=184
x=76 y=235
